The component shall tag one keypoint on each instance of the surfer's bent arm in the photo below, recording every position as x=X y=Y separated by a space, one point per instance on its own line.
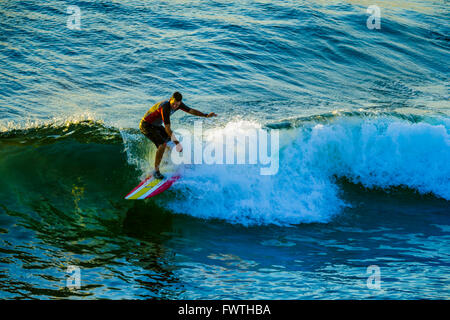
x=170 y=133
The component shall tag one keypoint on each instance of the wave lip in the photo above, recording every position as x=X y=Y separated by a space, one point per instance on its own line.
x=383 y=153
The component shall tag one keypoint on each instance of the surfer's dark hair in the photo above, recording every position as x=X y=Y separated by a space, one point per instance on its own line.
x=177 y=96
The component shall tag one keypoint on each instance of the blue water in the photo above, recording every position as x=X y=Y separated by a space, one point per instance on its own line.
x=364 y=129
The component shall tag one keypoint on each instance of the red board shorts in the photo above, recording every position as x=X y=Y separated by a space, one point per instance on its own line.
x=157 y=134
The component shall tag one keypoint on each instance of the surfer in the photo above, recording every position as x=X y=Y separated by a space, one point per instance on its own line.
x=151 y=126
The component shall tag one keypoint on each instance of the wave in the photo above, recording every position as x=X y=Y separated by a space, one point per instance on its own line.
x=88 y=160
x=379 y=152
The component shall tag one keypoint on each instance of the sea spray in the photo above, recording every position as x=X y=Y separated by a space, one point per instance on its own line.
x=380 y=152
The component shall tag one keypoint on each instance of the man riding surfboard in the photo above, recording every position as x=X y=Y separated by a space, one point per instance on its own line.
x=151 y=126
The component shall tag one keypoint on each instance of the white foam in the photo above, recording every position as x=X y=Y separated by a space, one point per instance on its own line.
x=240 y=194
x=383 y=152
x=380 y=152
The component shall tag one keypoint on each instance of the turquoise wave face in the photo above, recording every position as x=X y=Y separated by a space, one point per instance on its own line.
x=363 y=174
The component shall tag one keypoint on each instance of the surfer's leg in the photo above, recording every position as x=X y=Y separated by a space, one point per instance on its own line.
x=159 y=137
x=162 y=145
x=159 y=155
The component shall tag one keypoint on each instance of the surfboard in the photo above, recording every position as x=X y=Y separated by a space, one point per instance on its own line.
x=151 y=187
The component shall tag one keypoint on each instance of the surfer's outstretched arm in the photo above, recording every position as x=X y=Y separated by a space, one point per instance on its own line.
x=201 y=114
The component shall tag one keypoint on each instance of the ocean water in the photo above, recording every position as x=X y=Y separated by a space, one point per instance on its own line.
x=363 y=179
